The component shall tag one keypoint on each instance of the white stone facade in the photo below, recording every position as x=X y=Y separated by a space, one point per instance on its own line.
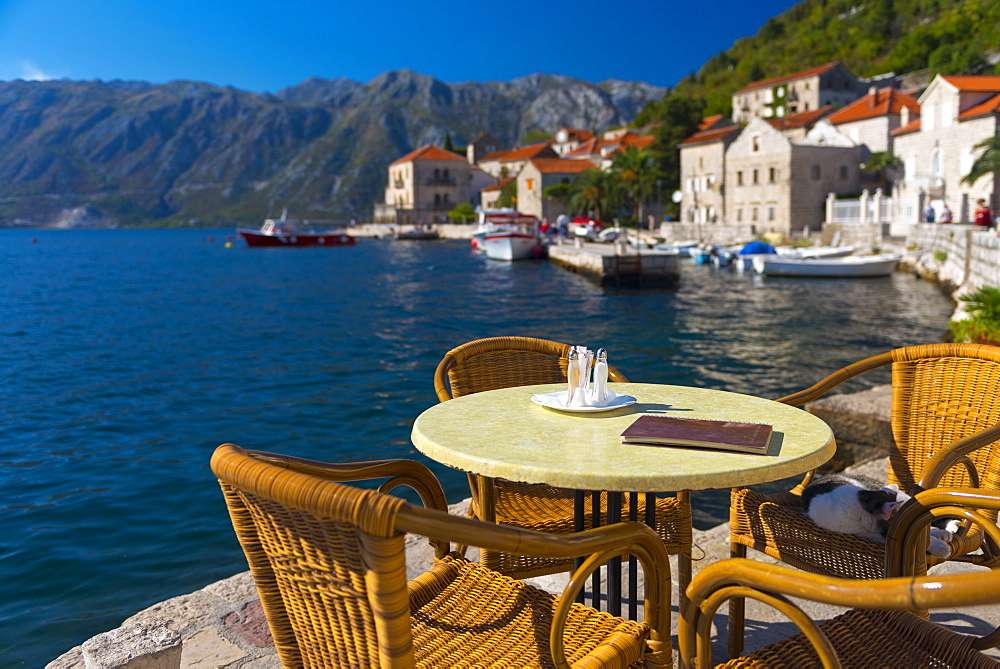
x=939 y=152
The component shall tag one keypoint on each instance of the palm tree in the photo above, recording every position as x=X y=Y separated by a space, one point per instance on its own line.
x=988 y=162
x=593 y=191
x=636 y=170
x=882 y=162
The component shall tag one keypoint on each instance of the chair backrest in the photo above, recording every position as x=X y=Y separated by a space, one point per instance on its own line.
x=942 y=393
x=327 y=560
x=503 y=362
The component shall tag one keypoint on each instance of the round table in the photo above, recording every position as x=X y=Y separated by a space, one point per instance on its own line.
x=503 y=434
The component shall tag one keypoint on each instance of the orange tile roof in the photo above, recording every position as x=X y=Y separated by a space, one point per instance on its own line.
x=798 y=120
x=991 y=106
x=585 y=149
x=530 y=151
x=496 y=155
x=428 y=153
x=709 y=121
x=561 y=165
x=882 y=102
x=713 y=135
x=638 y=141
x=973 y=83
x=765 y=83
x=912 y=126
x=498 y=185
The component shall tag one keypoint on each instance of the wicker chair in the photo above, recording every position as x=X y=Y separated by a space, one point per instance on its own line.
x=329 y=564
x=504 y=362
x=880 y=631
x=945 y=413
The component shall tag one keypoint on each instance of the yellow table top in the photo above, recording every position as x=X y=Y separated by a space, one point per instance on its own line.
x=503 y=434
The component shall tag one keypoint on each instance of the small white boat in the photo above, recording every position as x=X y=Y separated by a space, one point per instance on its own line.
x=816 y=251
x=850 y=266
x=511 y=237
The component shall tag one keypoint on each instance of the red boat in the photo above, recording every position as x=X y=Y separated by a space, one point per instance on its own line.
x=286 y=232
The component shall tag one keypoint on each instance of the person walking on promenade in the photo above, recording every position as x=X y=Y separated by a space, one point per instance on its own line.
x=945 y=214
x=983 y=216
x=929 y=214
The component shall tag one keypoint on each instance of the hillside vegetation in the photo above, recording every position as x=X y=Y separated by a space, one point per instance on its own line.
x=870 y=37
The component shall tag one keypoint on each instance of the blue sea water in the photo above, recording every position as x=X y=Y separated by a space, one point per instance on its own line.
x=127 y=356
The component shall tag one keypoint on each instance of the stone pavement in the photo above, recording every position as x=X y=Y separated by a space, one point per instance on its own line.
x=222 y=625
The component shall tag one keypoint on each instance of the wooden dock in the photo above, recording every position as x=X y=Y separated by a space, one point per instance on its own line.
x=617 y=264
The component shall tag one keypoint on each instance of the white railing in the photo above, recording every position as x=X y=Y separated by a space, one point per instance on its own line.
x=846 y=211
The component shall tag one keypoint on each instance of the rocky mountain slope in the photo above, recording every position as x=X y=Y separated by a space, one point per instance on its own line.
x=136 y=153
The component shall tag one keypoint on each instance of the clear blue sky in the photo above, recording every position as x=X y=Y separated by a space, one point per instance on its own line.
x=265 y=45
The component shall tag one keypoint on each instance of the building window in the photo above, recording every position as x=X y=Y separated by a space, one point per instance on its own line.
x=843 y=172
x=806 y=106
x=701 y=162
x=755 y=180
x=770 y=213
x=755 y=143
x=739 y=214
x=445 y=175
x=772 y=175
x=753 y=214
x=739 y=178
x=815 y=171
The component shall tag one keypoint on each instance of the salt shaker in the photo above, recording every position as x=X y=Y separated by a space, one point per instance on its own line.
x=601 y=394
x=572 y=374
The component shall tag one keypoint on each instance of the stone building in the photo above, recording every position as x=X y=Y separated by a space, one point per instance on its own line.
x=827 y=85
x=502 y=164
x=938 y=147
x=703 y=169
x=540 y=173
x=776 y=185
x=483 y=145
x=424 y=186
x=569 y=139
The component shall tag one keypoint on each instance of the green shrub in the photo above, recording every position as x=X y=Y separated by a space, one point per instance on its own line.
x=983 y=324
x=940 y=256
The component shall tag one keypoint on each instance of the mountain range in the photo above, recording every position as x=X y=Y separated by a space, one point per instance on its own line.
x=94 y=153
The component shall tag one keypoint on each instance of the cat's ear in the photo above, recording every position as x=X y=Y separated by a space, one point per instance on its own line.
x=888 y=508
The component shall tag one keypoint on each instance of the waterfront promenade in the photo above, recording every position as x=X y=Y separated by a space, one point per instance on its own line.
x=222 y=625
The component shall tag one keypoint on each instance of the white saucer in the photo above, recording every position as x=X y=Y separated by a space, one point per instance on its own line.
x=557 y=401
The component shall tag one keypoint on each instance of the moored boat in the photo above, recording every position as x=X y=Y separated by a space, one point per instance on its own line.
x=290 y=232
x=508 y=235
x=882 y=264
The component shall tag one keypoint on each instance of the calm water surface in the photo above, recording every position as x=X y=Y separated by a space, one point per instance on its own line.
x=127 y=356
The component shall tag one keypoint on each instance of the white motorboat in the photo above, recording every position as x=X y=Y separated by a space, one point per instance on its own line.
x=882 y=264
x=509 y=236
x=816 y=251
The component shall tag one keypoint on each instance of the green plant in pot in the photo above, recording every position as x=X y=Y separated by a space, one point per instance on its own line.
x=983 y=324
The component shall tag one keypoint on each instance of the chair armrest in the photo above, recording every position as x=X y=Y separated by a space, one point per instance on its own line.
x=599 y=543
x=835 y=379
x=905 y=540
x=948 y=457
x=399 y=472
x=773 y=584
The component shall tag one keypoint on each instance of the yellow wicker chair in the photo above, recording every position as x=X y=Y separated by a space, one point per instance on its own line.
x=945 y=409
x=880 y=631
x=504 y=362
x=329 y=564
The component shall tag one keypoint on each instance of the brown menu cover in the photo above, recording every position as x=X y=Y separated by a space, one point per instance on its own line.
x=722 y=434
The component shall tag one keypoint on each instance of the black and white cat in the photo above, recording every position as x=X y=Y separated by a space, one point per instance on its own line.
x=861 y=506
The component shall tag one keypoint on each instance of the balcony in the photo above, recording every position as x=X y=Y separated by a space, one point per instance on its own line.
x=440 y=181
